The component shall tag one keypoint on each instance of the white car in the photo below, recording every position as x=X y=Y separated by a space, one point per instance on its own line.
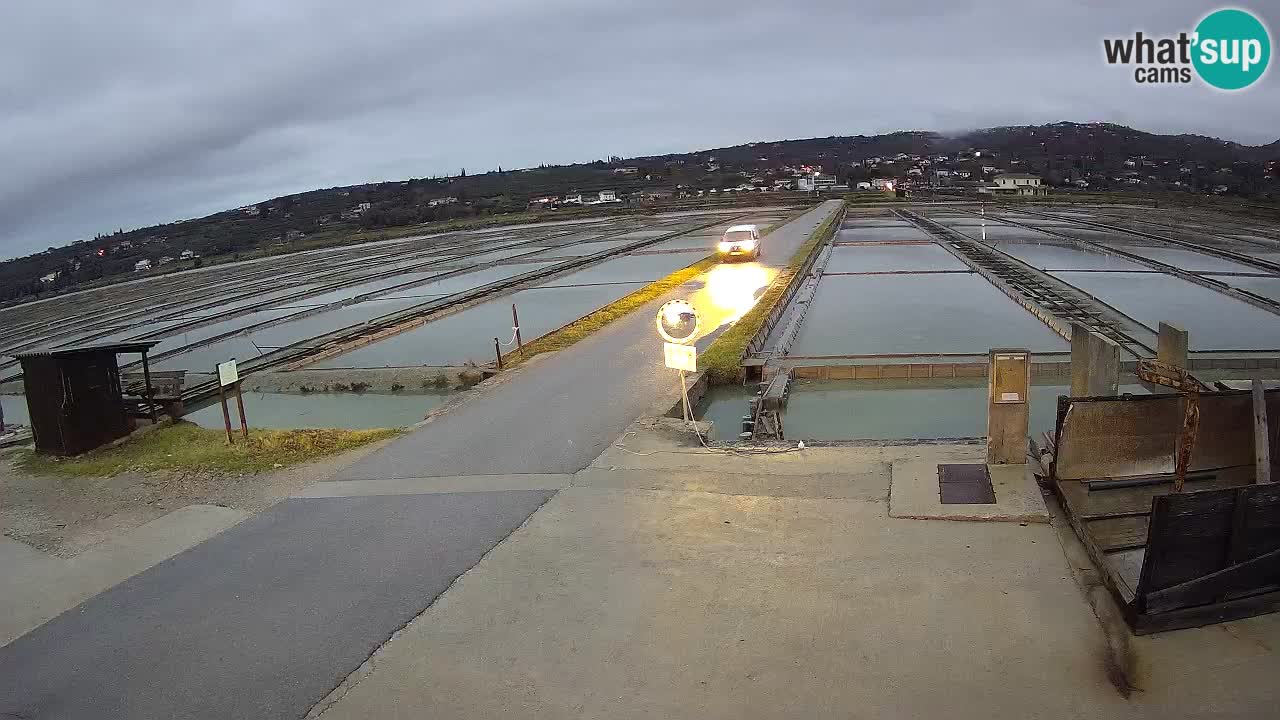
x=740 y=241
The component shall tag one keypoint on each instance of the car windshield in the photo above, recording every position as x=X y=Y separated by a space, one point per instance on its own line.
x=737 y=235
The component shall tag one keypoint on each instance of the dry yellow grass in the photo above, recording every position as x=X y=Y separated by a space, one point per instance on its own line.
x=722 y=361
x=185 y=446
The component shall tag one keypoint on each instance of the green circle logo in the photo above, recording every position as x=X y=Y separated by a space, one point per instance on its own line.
x=1232 y=48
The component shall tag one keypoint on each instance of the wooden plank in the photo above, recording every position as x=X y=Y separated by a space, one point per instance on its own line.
x=1126 y=565
x=1121 y=533
x=1129 y=501
x=1145 y=624
x=1188 y=538
x=1261 y=438
x=1260 y=573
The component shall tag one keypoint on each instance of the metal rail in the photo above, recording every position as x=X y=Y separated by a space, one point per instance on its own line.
x=476 y=248
x=1245 y=296
x=1267 y=265
x=1057 y=298
x=314 y=346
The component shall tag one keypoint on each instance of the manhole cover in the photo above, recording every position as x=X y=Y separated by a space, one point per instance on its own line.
x=965 y=485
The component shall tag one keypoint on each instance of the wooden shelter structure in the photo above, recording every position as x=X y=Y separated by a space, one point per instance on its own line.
x=75 y=397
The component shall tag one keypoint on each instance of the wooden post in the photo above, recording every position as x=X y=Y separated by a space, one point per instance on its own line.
x=1 y=418
x=1171 y=346
x=1008 y=386
x=497 y=350
x=146 y=378
x=226 y=414
x=1261 y=438
x=244 y=426
x=515 y=323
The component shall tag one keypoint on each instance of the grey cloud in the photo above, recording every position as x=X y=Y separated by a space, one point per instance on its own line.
x=139 y=111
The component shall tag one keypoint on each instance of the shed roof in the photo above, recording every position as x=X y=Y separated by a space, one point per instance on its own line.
x=70 y=350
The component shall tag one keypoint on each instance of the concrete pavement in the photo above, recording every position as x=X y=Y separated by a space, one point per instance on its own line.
x=680 y=583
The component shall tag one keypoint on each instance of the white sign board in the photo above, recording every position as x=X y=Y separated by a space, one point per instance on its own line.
x=681 y=357
x=227 y=373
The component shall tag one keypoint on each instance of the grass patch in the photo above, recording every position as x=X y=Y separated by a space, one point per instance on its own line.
x=186 y=446
x=723 y=360
x=623 y=306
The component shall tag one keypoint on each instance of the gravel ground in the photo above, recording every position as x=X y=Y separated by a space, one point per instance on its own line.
x=66 y=515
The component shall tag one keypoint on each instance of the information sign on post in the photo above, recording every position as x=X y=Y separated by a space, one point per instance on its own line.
x=227 y=373
x=229 y=376
x=681 y=357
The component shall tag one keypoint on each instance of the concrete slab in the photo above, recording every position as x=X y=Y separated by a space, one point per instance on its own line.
x=262 y=620
x=641 y=604
x=38 y=587
x=418 y=486
x=858 y=483
x=914 y=494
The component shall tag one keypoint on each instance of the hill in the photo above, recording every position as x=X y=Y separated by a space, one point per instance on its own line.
x=1103 y=155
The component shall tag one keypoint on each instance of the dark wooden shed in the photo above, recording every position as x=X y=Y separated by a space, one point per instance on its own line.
x=75 y=398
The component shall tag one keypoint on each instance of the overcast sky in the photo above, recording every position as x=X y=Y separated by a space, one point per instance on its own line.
x=132 y=112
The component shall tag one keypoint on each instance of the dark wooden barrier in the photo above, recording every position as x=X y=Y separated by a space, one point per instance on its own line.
x=1173 y=559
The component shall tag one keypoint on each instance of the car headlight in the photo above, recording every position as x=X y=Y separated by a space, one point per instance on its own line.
x=748 y=245
x=725 y=246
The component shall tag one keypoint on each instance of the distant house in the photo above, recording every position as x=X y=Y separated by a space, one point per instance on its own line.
x=626 y=171
x=823 y=182
x=1018 y=184
x=573 y=199
x=362 y=207
x=882 y=183
x=608 y=196
x=165 y=260
x=437 y=202
x=142 y=265
x=864 y=185
x=291 y=235
x=46 y=279
x=187 y=255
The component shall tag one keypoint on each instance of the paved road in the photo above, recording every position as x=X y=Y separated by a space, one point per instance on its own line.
x=558 y=415
x=261 y=621
x=265 y=619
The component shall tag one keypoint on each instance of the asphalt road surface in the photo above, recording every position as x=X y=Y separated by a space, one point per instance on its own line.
x=265 y=619
x=261 y=621
x=559 y=415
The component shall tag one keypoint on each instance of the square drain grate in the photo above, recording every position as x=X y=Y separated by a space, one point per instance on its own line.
x=968 y=484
